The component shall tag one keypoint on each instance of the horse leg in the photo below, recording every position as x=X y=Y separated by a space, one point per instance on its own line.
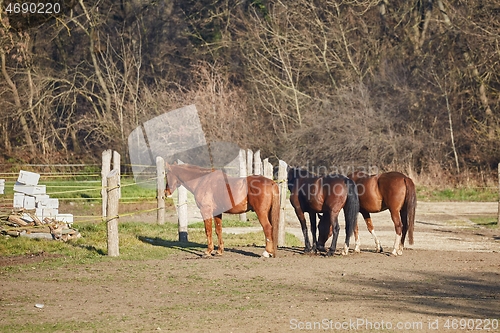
x=335 y=227
x=218 y=231
x=357 y=247
x=207 y=221
x=325 y=231
x=312 y=219
x=303 y=225
x=268 y=233
x=345 y=250
x=398 y=227
x=208 y=232
x=371 y=229
x=404 y=219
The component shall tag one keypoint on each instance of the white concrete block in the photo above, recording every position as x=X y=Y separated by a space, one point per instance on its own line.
x=41 y=200
x=50 y=212
x=18 y=200
x=29 y=202
x=39 y=213
x=67 y=218
x=52 y=203
x=30 y=189
x=28 y=178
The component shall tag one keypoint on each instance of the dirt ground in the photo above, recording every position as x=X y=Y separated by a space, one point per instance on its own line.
x=449 y=281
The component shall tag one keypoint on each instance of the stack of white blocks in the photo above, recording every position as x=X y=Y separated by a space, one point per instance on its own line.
x=31 y=196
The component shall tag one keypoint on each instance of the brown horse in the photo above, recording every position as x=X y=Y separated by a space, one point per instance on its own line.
x=328 y=195
x=393 y=191
x=216 y=193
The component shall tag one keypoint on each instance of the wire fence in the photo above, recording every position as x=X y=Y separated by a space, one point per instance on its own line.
x=79 y=184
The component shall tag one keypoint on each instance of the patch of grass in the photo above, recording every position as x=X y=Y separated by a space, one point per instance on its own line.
x=67 y=326
x=457 y=194
x=486 y=221
x=137 y=240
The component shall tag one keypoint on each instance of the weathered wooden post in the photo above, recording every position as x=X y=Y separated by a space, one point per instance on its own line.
x=182 y=214
x=249 y=162
x=257 y=163
x=243 y=174
x=282 y=182
x=182 y=211
x=160 y=190
x=117 y=166
x=112 y=202
x=267 y=168
x=105 y=169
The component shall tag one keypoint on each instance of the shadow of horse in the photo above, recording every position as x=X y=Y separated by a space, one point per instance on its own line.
x=182 y=246
x=89 y=248
x=190 y=247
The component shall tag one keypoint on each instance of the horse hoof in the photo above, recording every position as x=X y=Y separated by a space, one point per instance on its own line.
x=320 y=248
x=330 y=253
x=266 y=254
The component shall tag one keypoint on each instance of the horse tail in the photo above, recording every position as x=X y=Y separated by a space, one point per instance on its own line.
x=351 y=207
x=275 y=216
x=411 y=205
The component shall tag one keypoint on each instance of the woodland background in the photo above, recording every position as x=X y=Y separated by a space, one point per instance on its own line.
x=405 y=85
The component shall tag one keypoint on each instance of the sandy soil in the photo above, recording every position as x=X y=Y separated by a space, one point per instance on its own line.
x=449 y=278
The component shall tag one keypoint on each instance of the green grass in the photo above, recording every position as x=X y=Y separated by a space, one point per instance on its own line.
x=486 y=221
x=137 y=240
x=485 y=194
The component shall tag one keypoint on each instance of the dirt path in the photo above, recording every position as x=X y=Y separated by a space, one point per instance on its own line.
x=448 y=278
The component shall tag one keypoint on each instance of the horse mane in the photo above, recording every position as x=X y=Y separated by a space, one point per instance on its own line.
x=193 y=171
x=197 y=168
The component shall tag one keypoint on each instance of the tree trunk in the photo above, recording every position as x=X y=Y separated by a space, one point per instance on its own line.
x=17 y=100
x=475 y=72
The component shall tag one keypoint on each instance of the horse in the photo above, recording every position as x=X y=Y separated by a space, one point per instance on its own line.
x=393 y=191
x=328 y=195
x=215 y=193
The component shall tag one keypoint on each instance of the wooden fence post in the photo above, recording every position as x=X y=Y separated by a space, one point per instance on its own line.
x=182 y=214
x=243 y=174
x=117 y=166
x=182 y=211
x=282 y=182
x=113 y=179
x=105 y=169
x=498 y=217
x=160 y=190
x=257 y=163
x=249 y=162
x=267 y=168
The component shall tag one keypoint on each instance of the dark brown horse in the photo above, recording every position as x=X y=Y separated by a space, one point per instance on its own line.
x=216 y=193
x=393 y=191
x=328 y=195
